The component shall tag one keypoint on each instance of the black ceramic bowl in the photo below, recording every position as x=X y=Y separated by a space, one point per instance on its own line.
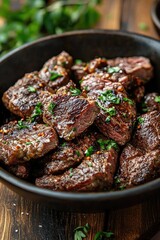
x=84 y=45
x=155 y=14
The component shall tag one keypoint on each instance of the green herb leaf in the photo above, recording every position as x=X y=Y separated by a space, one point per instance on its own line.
x=78 y=153
x=100 y=235
x=71 y=172
x=37 y=112
x=21 y=125
x=64 y=144
x=143 y=26
x=81 y=232
x=28 y=143
x=78 y=61
x=54 y=75
x=75 y=91
x=51 y=107
x=31 y=89
x=108 y=144
x=157 y=99
x=128 y=100
x=113 y=70
x=109 y=96
x=111 y=111
x=108 y=119
x=140 y=120
x=89 y=151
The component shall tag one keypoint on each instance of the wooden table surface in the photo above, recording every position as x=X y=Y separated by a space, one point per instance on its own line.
x=22 y=219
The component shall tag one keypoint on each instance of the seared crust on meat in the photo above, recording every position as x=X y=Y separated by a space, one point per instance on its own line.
x=140 y=160
x=56 y=70
x=117 y=111
x=70 y=154
x=22 y=98
x=71 y=115
x=151 y=102
x=20 y=144
x=93 y=174
x=137 y=66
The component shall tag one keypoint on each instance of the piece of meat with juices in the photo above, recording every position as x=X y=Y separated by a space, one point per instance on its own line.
x=140 y=159
x=22 y=98
x=151 y=102
x=70 y=154
x=21 y=141
x=117 y=110
x=69 y=115
x=56 y=71
x=95 y=173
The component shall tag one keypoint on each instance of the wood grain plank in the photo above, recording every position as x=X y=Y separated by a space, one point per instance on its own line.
x=134 y=14
x=110 y=11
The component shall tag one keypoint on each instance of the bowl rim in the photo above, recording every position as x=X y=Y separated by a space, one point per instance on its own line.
x=75 y=196
x=154 y=16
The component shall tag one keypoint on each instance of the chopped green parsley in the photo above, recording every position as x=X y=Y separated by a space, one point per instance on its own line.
x=51 y=107
x=109 y=96
x=157 y=99
x=31 y=89
x=89 y=151
x=107 y=144
x=54 y=75
x=75 y=91
x=21 y=125
x=128 y=100
x=113 y=70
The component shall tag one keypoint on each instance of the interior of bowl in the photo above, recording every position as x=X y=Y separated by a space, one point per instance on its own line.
x=83 y=45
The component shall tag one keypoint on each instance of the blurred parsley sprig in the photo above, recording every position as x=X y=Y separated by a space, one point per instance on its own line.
x=35 y=19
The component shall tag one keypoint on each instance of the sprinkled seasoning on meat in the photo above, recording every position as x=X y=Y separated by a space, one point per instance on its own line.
x=140 y=159
x=22 y=98
x=71 y=153
x=117 y=110
x=55 y=71
x=22 y=141
x=93 y=174
x=69 y=115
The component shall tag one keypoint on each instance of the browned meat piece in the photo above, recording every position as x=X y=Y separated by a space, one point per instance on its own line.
x=22 y=98
x=67 y=89
x=20 y=170
x=137 y=166
x=79 y=71
x=82 y=69
x=63 y=59
x=95 y=173
x=117 y=111
x=138 y=94
x=54 y=77
x=137 y=66
x=140 y=160
x=147 y=135
x=70 y=153
x=21 y=141
x=151 y=102
x=69 y=115
x=97 y=64
x=55 y=71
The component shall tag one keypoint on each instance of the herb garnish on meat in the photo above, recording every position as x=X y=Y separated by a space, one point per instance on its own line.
x=31 y=89
x=21 y=125
x=51 y=107
x=55 y=75
x=109 y=96
x=75 y=91
x=89 y=151
x=107 y=144
x=157 y=99
x=113 y=69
